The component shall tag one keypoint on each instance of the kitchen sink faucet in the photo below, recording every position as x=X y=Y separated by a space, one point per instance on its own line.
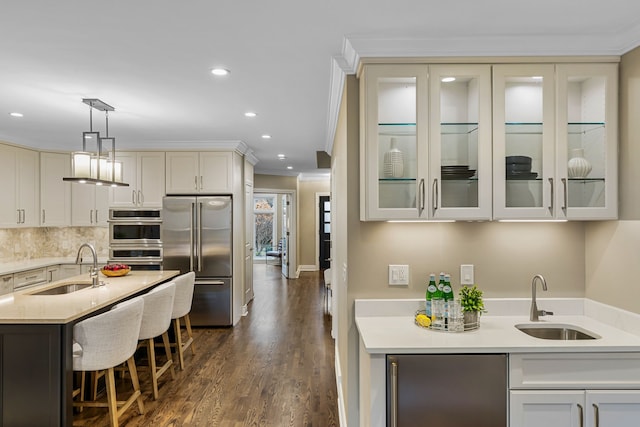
x=93 y=273
x=534 y=305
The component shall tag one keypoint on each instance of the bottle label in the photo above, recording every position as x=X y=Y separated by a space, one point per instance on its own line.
x=432 y=288
x=446 y=289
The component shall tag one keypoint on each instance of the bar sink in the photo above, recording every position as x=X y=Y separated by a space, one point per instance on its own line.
x=557 y=332
x=65 y=288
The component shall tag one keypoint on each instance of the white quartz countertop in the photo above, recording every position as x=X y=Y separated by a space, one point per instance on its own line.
x=21 y=307
x=18 y=266
x=390 y=328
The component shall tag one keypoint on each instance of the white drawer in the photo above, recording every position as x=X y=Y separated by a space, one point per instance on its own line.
x=6 y=284
x=33 y=277
x=574 y=370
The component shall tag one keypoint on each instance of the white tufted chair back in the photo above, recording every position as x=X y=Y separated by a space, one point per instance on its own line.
x=158 y=304
x=108 y=339
x=184 y=294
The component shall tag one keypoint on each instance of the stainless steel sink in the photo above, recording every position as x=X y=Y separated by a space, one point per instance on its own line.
x=557 y=332
x=65 y=288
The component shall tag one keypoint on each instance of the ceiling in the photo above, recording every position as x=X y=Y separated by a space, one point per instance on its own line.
x=151 y=60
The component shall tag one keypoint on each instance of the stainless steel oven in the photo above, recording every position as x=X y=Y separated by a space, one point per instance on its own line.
x=134 y=238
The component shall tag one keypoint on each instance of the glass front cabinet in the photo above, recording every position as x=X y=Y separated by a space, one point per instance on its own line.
x=483 y=142
x=426 y=142
x=555 y=141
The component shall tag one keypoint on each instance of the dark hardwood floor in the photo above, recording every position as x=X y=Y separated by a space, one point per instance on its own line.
x=275 y=368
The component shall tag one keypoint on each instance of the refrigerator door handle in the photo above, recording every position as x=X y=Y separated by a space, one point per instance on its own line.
x=191 y=242
x=199 y=225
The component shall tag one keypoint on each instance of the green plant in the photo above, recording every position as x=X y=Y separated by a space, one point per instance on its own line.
x=471 y=298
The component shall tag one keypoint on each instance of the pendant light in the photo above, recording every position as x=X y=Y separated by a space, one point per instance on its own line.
x=99 y=167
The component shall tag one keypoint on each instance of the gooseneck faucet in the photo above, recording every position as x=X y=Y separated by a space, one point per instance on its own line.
x=534 y=304
x=93 y=273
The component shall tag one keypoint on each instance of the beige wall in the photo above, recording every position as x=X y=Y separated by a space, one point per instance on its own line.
x=275 y=182
x=613 y=248
x=307 y=221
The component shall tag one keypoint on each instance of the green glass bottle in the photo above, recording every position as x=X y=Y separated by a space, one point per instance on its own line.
x=446 y=289
x=439 y=294
x=432 y=288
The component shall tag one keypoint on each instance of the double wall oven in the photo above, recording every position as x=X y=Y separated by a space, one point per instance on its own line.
x=134 y=238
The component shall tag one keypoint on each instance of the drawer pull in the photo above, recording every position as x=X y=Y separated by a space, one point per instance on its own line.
x=581 y=415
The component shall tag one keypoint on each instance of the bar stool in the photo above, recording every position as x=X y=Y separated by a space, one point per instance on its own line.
x=181 y=308
x=156 y=319
x=103 y=342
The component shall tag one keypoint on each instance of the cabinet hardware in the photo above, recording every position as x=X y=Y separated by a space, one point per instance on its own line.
x=552 y=196
x=195 y=182
x=140 y=198
x=18 y=221
x=581 y=415
x=91 y=216
x=6 y=278
x=30 y=277
x=596 y=415
x=133 y=197
x=393 y=422
x=565 y=196
x=96 y=216
x=44 y=216
x=421 y=197
x=201 y=182
x=435 y=195
x=24 y=216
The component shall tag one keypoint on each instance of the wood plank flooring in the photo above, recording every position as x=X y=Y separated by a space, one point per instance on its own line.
x=275 y=368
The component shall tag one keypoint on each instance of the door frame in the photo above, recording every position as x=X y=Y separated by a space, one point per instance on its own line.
x=293 y=230
x=318 y=195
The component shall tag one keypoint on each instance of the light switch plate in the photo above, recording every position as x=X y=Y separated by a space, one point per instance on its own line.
x=466 y=274
x=398 y=274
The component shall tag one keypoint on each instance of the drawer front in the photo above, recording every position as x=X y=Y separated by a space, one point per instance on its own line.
x=574 y=371
x=6 y=284
x=29 y=278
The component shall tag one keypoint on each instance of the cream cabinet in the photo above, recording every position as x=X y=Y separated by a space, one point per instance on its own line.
x=55 y=194
x=574 y=390
x=19 y=172
x=29 y=278
x=6 y=284
x=425 y=142
x=199 y=172
x=546 y=120
x=89 y=205
x=145 y=174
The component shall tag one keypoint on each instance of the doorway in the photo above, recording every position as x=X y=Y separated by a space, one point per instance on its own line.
x=324 y=232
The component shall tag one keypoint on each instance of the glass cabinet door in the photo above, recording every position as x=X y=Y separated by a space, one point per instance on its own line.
x=394 y=141
x=587 y=141
x=524 y=141
x=460 y=142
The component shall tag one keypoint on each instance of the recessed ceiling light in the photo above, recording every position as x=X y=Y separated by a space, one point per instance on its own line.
x=220 y=72
x=265 y=136
x=448 y=79
x=250 y=114
x=282 y=156
x=289 y=167
x=537 y=77
x=16 y=114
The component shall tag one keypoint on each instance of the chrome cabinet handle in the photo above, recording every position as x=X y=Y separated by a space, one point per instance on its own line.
x=421 y=196
x=393 y=421
x=133 y=197
x=596 y=414
x=201 y=182
x=91 y=216
x=195 y=182
x=140 y=197
x=581 y=415
x=18 y=220
x=435 y=195
x=44 y=216
x=552 y=196
x=199 y=226
x=565 y=196
x=191 y=245
x=24 y=216
x=96 y=216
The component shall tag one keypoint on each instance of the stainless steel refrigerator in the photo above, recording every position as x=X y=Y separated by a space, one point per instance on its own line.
x=197 y=235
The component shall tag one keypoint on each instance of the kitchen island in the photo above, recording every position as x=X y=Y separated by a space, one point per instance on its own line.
x=36 y=338
x=541 y=373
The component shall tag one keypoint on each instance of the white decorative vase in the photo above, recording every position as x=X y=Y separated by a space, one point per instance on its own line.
x=578 y=166
x=394 y=161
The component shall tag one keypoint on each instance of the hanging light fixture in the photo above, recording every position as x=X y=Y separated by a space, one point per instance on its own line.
x=99 y=167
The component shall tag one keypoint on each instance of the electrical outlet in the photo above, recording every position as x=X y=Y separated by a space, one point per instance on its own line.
x=398 y=274
x=466 y=274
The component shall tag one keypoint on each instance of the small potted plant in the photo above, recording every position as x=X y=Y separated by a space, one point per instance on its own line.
x=472 y=305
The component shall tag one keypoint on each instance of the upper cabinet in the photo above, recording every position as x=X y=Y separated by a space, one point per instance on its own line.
x=55 y=194
x=426 y=142
x=555 y=141
x=208 y=172
x=89 y=205
x=19 y=173
x=145 y=174
x=482 y=142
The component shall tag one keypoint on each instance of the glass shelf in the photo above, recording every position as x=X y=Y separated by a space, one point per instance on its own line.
x=582 y=128
x=397 y=129
x=396 y=179
x=536 y=128
x=458 y=128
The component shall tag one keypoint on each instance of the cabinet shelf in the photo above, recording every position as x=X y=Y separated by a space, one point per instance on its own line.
x=575 y=128
x=409 y=129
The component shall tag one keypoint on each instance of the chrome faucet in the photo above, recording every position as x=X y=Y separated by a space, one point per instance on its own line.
x=534 y=305
x=93 y=273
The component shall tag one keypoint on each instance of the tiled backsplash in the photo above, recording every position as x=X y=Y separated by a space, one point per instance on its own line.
x=19 y=244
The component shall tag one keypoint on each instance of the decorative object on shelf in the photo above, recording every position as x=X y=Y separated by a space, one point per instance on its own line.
x=394 y=161
x=99 y=167
x=472 y=305
x=519 y=167
x=115 y=270
x=578 y=166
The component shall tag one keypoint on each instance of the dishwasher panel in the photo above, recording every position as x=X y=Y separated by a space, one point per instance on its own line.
x=447 y=390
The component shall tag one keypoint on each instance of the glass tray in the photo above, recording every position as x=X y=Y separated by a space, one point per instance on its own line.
x=471 y=326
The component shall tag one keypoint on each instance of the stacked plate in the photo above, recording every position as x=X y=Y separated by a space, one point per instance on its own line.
x=456 y=172
x=519 y=167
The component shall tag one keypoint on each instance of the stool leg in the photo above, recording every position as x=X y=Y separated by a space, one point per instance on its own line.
x=167 y=350
x=136 y=383
x=187 y=322
x=151 y=353
x=176 y=328
x=112 y=401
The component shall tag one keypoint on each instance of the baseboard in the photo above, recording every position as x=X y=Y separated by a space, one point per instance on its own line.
x=307 y=268
x=342 y=410
x=245 y=310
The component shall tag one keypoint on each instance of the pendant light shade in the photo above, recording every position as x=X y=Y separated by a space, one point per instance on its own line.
x=98 y=167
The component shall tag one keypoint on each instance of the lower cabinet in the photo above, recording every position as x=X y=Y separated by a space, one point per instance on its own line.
x=574 y=408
